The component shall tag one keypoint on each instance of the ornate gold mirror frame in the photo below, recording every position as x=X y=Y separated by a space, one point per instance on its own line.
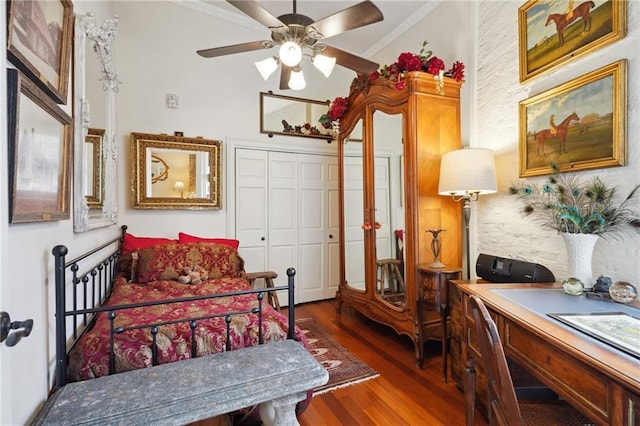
x=190 y=169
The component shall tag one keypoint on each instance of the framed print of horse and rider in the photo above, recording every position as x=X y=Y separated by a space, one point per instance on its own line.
x=555 y=31
x=578 y=125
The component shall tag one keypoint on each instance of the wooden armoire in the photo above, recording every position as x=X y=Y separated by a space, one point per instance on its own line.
x=390 y=144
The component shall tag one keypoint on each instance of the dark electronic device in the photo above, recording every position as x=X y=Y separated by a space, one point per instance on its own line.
x=502 y=270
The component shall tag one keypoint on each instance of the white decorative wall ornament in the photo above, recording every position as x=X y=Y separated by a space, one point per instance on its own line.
x=102 y=39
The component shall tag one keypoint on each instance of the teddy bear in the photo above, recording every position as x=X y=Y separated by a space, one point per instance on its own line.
x=193 y=276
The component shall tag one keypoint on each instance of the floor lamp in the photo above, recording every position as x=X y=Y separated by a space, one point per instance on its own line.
x=464 y=175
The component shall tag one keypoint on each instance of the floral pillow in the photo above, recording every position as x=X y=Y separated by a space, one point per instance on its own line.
x=167 y=261
x=130 y=246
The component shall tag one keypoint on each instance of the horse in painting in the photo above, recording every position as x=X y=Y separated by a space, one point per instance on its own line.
x=561 y=135
x=560 y=19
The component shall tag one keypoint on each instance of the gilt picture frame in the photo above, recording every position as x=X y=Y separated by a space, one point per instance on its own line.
x=39 y=37
x=553 y=32
x=579 y=125
x=40 y=139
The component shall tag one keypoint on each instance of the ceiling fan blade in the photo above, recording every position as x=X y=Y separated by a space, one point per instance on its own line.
x=236 y=48
x=257 y=12
x=351 y=61
x=356 y=16
x=285 y=75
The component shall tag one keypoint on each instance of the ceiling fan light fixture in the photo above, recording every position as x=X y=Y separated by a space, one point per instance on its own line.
x=296 y=81
x=290 y=53
x=266 y=67
x=324 y=64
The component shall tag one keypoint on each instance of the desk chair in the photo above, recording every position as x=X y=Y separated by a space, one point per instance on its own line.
x=504 y=408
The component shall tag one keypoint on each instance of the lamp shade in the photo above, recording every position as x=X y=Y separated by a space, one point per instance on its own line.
x=266 y=67
x=324 y=63
x=290 y=53
x=466 y=171
x=296 y=81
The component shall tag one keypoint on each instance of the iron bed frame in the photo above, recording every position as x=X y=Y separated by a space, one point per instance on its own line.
x=92 y=284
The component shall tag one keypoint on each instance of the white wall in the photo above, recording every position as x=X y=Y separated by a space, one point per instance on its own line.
x=501 y=230
x=219 y=98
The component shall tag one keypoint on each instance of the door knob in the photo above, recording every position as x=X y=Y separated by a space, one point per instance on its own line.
x=262 y=238
x=330 y=235
x=366 y=226
x=377 y=225
x=6 y=325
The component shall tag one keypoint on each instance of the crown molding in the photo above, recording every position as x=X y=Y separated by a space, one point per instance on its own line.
x=407 y=24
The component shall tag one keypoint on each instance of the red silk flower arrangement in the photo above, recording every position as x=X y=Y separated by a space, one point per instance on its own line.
x=337 y=108
x=424 y=61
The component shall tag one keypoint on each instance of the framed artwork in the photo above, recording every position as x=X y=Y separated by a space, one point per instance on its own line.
x=553 y=32
x=617 y=329
x=40 y=137
x=578 y=125
x=286 y=115
x=39 y=36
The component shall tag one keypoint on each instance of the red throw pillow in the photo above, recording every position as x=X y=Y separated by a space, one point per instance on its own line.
x=133 y=243
x=186 y=238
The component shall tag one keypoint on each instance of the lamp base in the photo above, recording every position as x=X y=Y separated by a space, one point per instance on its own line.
x=436 y=264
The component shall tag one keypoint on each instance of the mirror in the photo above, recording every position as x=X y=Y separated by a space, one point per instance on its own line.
x=159 y=169
x=354 y=209
x=286 y=115
x=174 y=172
x=93 y=176
x=95 y=155
x=389 y=211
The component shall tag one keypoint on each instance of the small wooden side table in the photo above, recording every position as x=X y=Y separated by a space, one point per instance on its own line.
x=268 y=276
x=433 y=296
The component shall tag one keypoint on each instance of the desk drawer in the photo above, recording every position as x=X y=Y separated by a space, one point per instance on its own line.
x=579 y=383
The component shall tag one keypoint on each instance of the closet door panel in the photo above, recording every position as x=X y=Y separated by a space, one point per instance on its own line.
x=333 y=227
x=312 y=196
x=353 y=222
x=283 y=206
x=383 y=207
x=283 y=217
x=251 y=207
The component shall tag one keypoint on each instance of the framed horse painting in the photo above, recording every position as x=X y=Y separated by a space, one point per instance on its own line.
x=579 y=125
x=555 y=31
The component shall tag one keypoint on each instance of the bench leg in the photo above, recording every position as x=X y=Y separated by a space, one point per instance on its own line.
x=281 y=411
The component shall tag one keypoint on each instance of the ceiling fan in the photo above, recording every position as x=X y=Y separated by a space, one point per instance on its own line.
x=298 y=35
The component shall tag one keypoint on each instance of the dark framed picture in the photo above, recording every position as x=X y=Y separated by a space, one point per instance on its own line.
x=40 y=136
x=39 y=36
x=578 y=125
x=553 y=32
x=617 y=329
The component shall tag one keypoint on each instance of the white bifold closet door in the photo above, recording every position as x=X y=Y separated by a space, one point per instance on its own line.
x=287 y=216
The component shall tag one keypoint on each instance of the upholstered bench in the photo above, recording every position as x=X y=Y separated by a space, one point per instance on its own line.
x=275 y=376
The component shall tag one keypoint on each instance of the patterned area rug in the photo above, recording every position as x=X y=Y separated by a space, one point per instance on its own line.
x=344 y=368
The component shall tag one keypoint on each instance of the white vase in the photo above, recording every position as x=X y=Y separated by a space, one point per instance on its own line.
x=579 y=253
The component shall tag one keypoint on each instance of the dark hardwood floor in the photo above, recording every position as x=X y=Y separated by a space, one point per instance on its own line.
x=403 y=394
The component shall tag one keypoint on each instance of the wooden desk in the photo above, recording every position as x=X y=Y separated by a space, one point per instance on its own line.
x=597 y=379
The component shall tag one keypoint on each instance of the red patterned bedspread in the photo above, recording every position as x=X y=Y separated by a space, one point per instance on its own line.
x=89 y=358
